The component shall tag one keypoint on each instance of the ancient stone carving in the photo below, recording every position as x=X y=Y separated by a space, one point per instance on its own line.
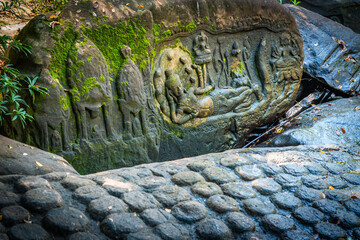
x=202 y=54
x=132 y=97
x=209 y=80
x=285 y=62
x=53 y=122
x=90 y=90
x=184 y=104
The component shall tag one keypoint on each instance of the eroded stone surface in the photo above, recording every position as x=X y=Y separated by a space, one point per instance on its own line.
x=116 y=225
x=161 y=209
x=189 y=211
x=103 y=206
x=42 y=199
x=206 y=189
x=66 y=220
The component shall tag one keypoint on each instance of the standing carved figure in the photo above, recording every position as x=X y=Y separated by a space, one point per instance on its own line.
x=132 y=97
x=52 y=114
x=202 y=54
x=91 y=90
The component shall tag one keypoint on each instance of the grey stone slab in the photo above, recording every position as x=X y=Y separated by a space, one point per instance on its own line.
x=238 y=190
x=86 y=194
x=330 y=231
x=42 y=199
x=309 y=215
x=218 y=175
x=266 y=186
x=117 y=225
x=240 y=223
x=213 y=229
x=189 y=211
x=309 y=194
x=278 y=223
x=187 y=178
x=26 y=183
x=101 y=207
x=8 y=198
x=140 y=201
x=14 y=214
x=259 y=206
x=222 y=204
x=169 y=195
x=286 y=201
x=249 y=172
x=154 y=217
x=328 y=206
x=27 y=231
x=172 y=231
x=66 y=220
x=206 y=189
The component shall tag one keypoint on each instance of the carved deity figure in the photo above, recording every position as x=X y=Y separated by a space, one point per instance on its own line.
x=90 y=90
x=285 y=59
x=132 y=97
x=184 y=104
x=202 y=54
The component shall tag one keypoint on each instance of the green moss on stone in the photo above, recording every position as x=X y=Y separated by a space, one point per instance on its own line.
x=111 y=39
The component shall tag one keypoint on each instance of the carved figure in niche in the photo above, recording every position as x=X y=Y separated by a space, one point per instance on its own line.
x=285 y=59
x=90 y=89
x=159 y=92
x=285 y=62
x=184 y=104
x=132 y=97
x=202 y=54
x=223 y=58
x=52 y=113
x=235 y=50
x=246 y=55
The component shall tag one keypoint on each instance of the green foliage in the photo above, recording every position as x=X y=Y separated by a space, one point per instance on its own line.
x=111 y=39
x=295 y=2
x=13 y=7
x=12 y=84
x=41 y=6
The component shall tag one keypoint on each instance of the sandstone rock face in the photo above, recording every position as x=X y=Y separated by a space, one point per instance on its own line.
x=329 y=123
x=130 y=84
x=342 y=11
x=331 y=51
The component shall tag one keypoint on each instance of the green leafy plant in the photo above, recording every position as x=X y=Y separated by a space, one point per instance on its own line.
x=12 y=84
x=295 y=2
x=13 y=8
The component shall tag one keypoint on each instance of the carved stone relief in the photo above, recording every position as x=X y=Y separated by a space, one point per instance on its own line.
x=132 y=97
x=240 y=78
x=184 y=88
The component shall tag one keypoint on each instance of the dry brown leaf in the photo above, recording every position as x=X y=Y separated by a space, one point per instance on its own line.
x=39 y=164
x=343 y=130
x=53 y=24
x=1 y=217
